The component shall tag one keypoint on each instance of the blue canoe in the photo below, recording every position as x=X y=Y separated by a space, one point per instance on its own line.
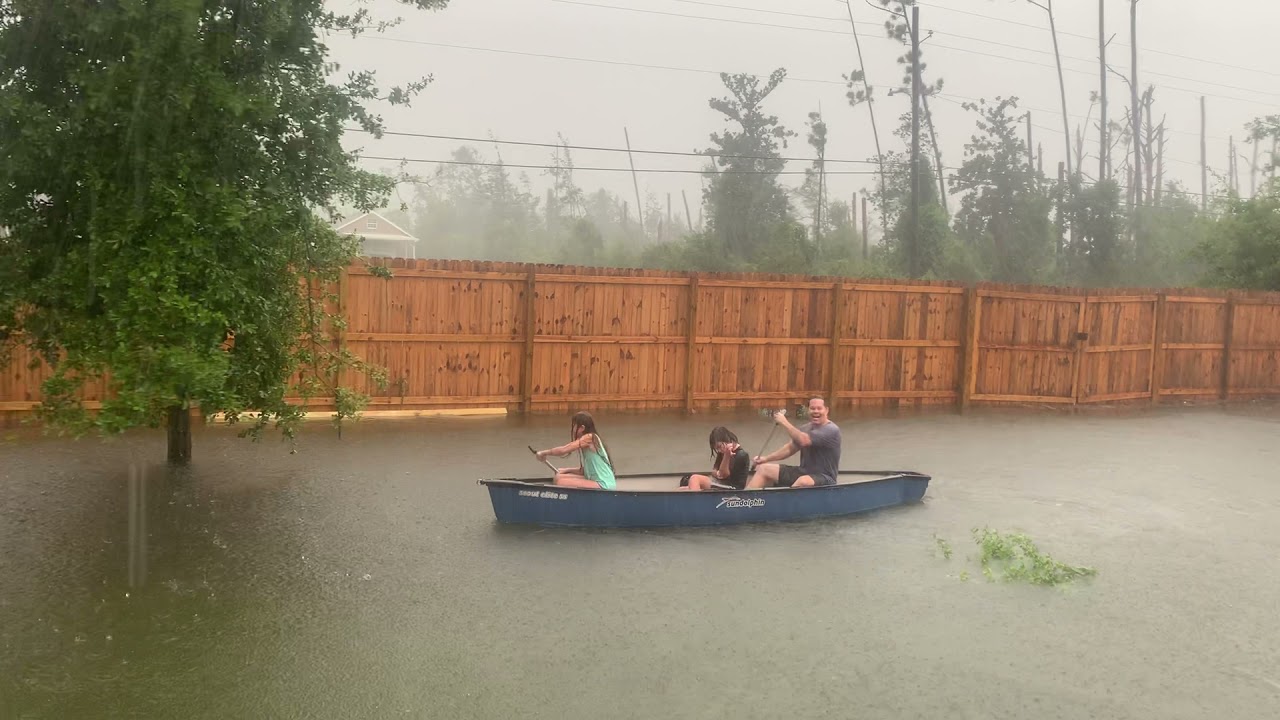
x=646 y=501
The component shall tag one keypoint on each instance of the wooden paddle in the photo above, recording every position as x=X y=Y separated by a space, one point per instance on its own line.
x=554 y=469
x=765 y=447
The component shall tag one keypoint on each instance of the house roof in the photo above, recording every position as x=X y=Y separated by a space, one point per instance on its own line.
x=354 y=226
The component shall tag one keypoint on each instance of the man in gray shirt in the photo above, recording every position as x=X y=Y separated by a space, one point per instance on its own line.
x=818 y=442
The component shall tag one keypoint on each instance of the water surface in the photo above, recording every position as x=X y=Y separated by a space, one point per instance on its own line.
x=365 y=577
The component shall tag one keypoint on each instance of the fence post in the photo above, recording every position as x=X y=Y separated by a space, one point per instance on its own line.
x=968 y=347
x=340 y=374
x=1225 y=392
x=691 y=350
x=526 y=373
x=1157 y=347
x=1081 y=338
x=837 y=309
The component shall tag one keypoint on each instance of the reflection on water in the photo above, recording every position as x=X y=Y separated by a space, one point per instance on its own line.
x=366 y=577
x=137 y=526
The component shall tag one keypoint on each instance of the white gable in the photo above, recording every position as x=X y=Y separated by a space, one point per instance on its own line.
x=372 y=226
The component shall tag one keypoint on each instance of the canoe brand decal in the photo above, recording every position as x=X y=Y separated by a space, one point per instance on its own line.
x=544 y=494
x=737 y=502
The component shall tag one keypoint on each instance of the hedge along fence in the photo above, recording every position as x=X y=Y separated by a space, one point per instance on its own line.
x=541 y=338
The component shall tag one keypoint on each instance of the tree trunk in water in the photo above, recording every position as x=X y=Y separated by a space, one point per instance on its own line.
x=179 y=435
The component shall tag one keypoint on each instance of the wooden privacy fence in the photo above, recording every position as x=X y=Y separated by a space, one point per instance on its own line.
x=553 y=339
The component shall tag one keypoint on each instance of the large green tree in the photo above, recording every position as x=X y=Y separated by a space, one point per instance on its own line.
x=746 y=204
x=1244 y=248
x=167 y=166
x=1005 y=214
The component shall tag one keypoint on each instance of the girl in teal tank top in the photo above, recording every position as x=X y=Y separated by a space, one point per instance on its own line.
x=596 y=471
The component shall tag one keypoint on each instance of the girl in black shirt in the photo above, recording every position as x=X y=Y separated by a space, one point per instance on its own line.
x=730 y=463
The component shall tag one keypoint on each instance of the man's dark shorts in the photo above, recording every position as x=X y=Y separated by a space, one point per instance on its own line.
x=788 y=474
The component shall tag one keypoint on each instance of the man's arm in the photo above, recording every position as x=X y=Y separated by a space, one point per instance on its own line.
x=799 y=439
x=781 y=453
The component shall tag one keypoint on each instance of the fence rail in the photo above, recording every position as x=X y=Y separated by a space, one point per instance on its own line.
x=555 y=338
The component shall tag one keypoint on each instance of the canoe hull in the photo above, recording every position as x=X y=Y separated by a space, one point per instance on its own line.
x=520 y=502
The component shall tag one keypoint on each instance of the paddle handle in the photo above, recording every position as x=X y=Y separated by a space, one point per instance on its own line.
x=554 y=469
x=765 y=448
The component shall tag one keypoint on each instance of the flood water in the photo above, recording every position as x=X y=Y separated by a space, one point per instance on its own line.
x=365 y=577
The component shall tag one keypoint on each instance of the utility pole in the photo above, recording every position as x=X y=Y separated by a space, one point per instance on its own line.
x=1031 y=148
x=634 y=181
x=914 y=251
x=853 y=213
x=1136 y=112
x=1160 y=165
x=866 y=85
x=1104 y=150
x=1204 y=163
x=1062 y=182
x=1151 y=154
x=1233 y=179
x=1253 y=169
x=822 y=183
x=866 y=231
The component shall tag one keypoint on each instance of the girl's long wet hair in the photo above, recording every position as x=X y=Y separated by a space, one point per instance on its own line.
x=720 y=434
x=584 y=420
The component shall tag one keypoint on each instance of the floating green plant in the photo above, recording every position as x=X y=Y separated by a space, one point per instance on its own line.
x=944 y=546
x=1015 y=557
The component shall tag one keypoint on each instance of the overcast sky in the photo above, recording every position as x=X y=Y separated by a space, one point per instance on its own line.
x=489 y=91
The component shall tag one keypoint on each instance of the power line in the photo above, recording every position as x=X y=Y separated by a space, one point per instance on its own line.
x=607 y=149
x=677 y=153
x=934 y=45
x=1094 y=60
x=673 y=68
x=769 y=12
x=478 y=163
x=703 y=17
x=947 y=96
x=1094 y=39
x=703 y=71
x=1090 y=73
x=984 y=41
x=570 y=58
x=943 y=96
